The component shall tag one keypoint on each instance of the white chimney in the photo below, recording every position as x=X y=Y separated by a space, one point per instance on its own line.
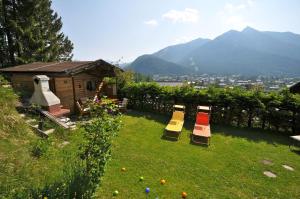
x=42 y=95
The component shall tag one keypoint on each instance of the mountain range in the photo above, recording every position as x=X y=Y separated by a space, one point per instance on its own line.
x=246 y=52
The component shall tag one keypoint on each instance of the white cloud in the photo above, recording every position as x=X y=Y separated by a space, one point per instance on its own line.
x=232 y=15
x=151 y=22
x=231 y=8
x=236 y=22
x=188 y=15
x=250 y=3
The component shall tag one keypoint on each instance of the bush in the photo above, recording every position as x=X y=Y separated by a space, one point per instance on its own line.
x=84 y=175
x=98 y=134
x=250 y=108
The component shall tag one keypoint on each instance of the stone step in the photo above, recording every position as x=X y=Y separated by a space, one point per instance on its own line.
x=65 y=119
x=73 y=127
x=49 y=131
x=70 y=123
x=31 y=120
x=63 y=144
x=6 y=86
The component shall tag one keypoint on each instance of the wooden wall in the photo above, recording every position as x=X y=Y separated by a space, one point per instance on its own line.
x=80 y=84
x=64 y=91
x=23 y=83
x=62 y=87
x=110 y=90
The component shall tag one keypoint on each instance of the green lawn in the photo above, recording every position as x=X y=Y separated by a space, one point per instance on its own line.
x=230 y=168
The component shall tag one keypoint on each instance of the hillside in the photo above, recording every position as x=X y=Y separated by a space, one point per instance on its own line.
x=15 y=139
x=31 y=165
x=151 y=65
x=247 y=52
x=177 y=52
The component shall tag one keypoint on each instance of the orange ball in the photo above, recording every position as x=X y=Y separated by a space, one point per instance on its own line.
x=162 y=181
x=123 y=169
x=183 y=194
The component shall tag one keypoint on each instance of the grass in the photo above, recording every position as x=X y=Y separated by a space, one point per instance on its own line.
x=230 y=168
x=20 y=171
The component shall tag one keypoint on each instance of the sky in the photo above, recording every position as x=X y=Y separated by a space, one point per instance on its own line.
x=122 y=30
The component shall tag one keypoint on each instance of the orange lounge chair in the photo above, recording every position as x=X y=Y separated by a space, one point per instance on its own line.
x=175 y=125
x=201 y=133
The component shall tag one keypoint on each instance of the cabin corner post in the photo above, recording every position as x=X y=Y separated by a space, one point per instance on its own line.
x=74 y=93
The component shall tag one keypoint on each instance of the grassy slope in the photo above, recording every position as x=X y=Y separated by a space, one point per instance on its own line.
x=19 y=170
x=230 y=168
x=14 y=141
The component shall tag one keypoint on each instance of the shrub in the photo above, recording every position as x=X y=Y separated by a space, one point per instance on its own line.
x=250 y=108
x=98 y=134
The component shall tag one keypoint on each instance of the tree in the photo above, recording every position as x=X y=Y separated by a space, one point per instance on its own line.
x=7 y=47
x=30 y=31
x=3 y=43
x=124 y=77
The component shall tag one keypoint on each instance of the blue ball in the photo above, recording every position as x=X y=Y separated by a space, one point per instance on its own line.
x=147 y=190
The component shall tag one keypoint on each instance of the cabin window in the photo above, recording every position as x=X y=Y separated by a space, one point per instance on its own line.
x=91 y=85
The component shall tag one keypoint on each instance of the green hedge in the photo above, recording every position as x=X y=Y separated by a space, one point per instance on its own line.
x=278 y=111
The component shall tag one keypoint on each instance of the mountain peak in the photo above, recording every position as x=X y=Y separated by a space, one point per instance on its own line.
x=249 y=29
x=246 y=52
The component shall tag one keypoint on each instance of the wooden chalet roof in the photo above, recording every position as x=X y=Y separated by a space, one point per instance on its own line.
x=68 y=68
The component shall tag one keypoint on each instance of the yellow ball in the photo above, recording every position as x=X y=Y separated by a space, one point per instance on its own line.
x=123 y=169
x=162 y=181
x=183 y=194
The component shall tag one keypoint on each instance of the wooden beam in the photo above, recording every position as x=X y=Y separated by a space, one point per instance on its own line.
x=54 y=119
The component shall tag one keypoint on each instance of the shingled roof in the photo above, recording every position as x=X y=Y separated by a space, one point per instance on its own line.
x=70 y=67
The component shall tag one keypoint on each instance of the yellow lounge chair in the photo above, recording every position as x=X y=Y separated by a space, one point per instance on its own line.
x=175 y=125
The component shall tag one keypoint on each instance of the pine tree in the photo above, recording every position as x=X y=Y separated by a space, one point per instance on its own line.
x=32 y=32
x=7 y=35
x=3 y=43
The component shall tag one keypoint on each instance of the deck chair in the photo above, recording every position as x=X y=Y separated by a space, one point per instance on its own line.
x=82 y=110
x=205 y=109
x=175 y=125
x=83 y=100
x=123 y=105
x=201 y=133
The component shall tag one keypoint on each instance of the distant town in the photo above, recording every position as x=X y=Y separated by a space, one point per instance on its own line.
x=267 y=83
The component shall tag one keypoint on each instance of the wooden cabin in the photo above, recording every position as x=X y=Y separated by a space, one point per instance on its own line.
x=69 y=81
